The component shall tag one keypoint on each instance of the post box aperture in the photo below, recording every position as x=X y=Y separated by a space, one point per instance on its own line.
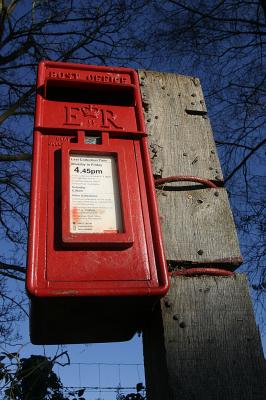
x=94 y=239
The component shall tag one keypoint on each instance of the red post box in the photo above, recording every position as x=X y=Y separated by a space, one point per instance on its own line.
x=95 y=253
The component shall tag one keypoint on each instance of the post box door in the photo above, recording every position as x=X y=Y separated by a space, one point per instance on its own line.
x=86 y=262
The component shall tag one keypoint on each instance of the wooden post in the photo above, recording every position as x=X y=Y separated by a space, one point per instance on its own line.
x=202 y=341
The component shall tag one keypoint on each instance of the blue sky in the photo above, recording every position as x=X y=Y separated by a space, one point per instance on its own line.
x=131 y=352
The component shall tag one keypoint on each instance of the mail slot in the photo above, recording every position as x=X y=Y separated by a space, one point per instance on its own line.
x=95 y=253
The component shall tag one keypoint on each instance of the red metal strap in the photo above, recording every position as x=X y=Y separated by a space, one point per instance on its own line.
x=202 y=271
x=203 y=181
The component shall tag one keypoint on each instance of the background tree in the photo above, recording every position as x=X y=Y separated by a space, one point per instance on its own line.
x=223 y=42
x=31 y=378
x=90 y=32
x=94 y=32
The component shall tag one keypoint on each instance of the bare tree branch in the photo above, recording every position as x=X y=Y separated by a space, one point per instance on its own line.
x=15 y=157
x=244 y=160
x=11 y=267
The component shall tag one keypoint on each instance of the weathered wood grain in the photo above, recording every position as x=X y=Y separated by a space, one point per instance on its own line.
x=201 y=227
x=181 y=143
x=208 y=340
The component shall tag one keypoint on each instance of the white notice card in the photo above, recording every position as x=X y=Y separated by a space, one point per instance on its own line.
x=94 y=194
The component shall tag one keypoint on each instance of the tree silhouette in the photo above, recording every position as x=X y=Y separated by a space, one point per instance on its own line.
x=93 y=32
x=220 y=41
x=30 y=378
x=223 y=42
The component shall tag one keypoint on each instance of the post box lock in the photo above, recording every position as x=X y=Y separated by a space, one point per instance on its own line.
x=94 y=232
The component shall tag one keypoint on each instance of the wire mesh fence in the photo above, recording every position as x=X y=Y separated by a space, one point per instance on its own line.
x=102 y=381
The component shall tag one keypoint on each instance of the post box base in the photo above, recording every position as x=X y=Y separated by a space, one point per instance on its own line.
x=82 y=320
